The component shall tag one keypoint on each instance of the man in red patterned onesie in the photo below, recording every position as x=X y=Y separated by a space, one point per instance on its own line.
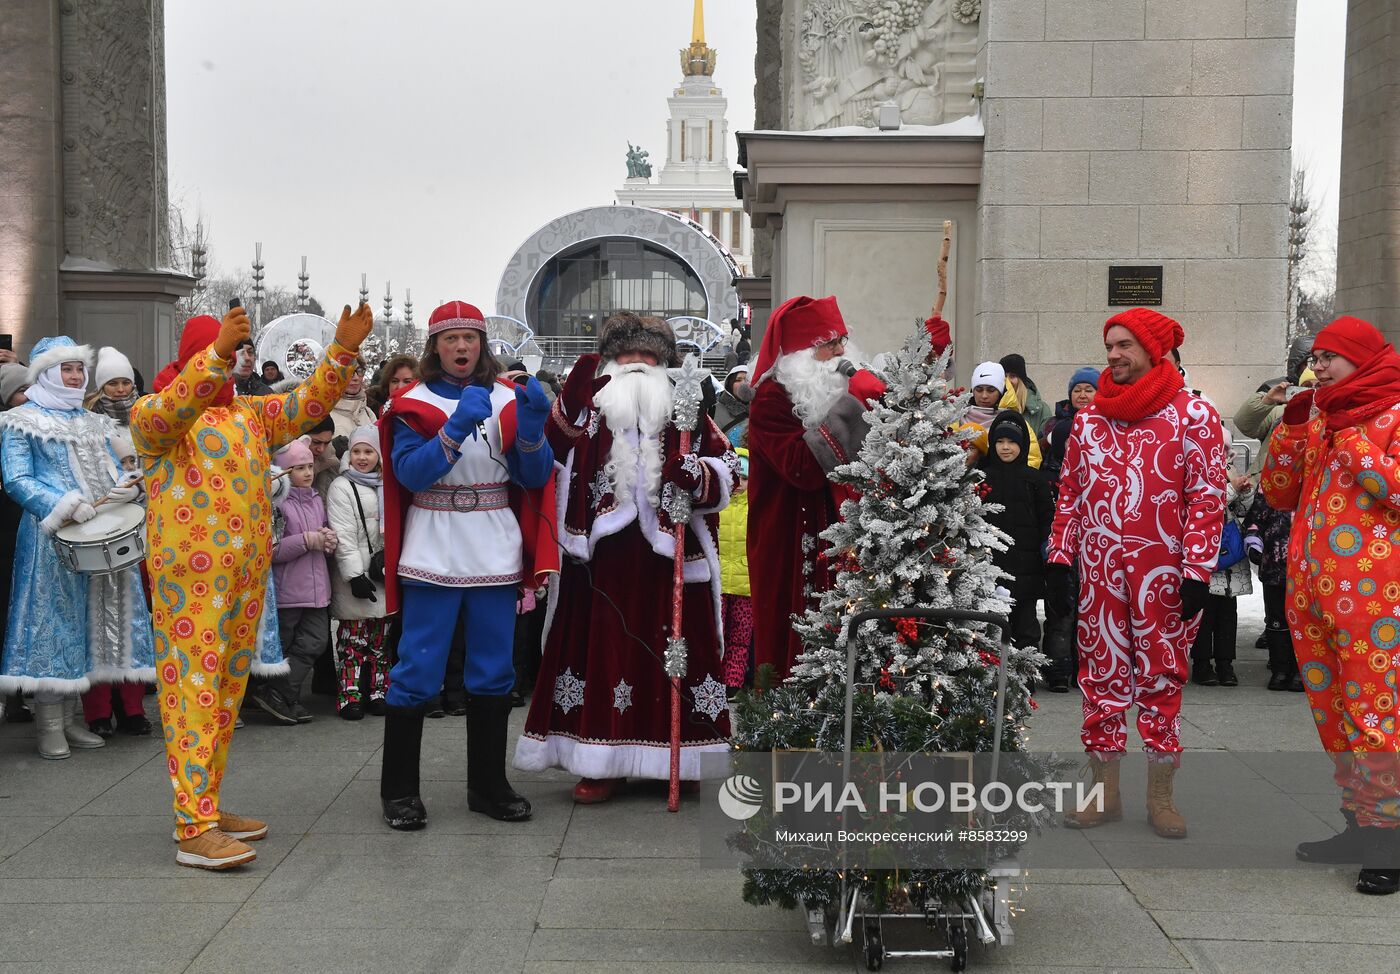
x=1141 y=508
x=1336 y=467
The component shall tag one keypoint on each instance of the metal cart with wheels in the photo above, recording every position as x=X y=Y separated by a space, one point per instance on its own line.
x=987 y=916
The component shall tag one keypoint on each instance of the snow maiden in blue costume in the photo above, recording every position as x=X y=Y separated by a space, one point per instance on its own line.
x=66 y=630
x=468 y=497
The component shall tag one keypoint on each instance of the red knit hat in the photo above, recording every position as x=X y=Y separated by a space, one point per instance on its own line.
x=200 y=332
x=1355 y=340
x=456 y=314
x=797 y=324
x=1154 y=331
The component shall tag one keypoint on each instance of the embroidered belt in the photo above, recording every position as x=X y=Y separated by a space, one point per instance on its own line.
x=463 y=498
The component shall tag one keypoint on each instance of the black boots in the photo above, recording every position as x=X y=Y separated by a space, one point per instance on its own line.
x=398 y=782
x=1380 y=862
x=488 y=791
x=1283 y=665
x=1377 y=850
x=1344 y=847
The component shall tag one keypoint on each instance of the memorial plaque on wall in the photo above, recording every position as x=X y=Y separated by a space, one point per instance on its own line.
x=1131 y=287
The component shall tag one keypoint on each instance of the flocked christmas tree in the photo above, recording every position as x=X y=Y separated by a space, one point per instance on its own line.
x=917 y=536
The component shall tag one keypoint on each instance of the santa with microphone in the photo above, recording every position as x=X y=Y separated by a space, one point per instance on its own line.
x=807 y=417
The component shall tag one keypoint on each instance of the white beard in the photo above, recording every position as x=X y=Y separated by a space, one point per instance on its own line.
x=636 y=403
x=813 y=386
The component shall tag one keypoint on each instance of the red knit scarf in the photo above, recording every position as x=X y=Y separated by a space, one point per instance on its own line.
x=1366 y=393
x=1139 y=399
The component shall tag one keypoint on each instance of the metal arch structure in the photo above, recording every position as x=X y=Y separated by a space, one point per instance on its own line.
x=699 y=333
x=295 y=342
x=509 y=337
x=677 y=235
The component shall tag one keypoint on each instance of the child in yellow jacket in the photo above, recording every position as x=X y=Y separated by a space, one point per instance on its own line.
x=734 y=580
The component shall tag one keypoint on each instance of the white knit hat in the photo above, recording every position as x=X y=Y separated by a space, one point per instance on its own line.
x=989 y=374
x=111 y=364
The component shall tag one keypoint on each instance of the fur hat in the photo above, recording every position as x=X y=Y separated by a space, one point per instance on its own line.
x=111 y=364
x=56 y=350
x=627 y=331
x=989 y=374
x=1157 y=333
x=13 y=377
x=294 y=454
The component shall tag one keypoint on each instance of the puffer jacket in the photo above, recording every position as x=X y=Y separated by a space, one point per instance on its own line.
x=303 y=578
x=733 y=543
x=353 y=552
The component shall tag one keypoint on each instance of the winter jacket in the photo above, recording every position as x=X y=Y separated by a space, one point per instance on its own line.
x=303 y=578
x=1270 y=528
x=351 y=413
x=1237 y=579
x=1256 y=419
x=1055 y=434
x=353 y=552
x=1027 y=513
x=979 y=443
x=733 y=546
x=1037 y=413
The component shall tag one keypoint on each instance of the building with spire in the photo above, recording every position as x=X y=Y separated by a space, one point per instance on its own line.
x=697 y=177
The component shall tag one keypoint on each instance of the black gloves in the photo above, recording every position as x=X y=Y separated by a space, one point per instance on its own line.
x=363 y=588
x=376 y=565
x=1193 y=598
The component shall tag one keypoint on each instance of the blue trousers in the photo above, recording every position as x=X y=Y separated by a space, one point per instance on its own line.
x=430 y=613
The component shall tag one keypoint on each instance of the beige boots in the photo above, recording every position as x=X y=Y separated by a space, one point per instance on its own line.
x=1163 y=815
x=1106 y=774
x=58 y=723
x=1166 y=820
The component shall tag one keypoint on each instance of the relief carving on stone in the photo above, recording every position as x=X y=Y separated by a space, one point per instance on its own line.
x=114 y=133
x=854 y=55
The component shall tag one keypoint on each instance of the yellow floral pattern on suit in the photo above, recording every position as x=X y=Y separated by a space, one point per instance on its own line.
x=209 y=533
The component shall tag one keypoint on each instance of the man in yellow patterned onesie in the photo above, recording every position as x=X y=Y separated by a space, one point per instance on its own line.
x=205 y=453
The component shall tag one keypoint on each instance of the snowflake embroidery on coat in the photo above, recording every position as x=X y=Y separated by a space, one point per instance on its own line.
x=675 y=503
x=568 y=691
x=600 y=488
x=709 y=697
x=594 y=419
x=622 y=696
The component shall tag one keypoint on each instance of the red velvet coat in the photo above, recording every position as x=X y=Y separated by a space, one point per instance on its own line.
x=791 y=503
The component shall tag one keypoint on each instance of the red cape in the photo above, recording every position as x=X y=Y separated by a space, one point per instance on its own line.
x=534 y=508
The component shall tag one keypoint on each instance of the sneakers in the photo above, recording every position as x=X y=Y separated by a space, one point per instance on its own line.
x=236 y=827
x=303 y=716
x=1203 y=674
x=1225 y=673
x=352 y=711
x=213 y=849
x=269 y=701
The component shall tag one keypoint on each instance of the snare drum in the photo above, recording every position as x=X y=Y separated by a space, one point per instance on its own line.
x=113 y=540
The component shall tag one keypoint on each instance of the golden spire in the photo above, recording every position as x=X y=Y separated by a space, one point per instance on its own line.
x=698 y=59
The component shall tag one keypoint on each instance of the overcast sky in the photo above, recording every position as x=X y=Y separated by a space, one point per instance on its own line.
x=422 y=142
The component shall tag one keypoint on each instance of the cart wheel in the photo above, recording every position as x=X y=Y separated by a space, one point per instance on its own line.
x=874 y=945
x=957 y=940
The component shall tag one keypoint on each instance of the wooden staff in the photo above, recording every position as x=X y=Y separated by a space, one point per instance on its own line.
x=686 y=413
x=943 y=269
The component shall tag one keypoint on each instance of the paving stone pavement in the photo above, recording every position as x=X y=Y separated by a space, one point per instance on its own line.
x=88 y=878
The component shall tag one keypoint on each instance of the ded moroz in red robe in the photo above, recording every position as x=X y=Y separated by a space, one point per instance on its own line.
x=602 y=708
x=791 y=502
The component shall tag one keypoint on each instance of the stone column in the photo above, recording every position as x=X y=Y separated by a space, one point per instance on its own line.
x=1368 y=229
x=31 y=209
x=115 y=280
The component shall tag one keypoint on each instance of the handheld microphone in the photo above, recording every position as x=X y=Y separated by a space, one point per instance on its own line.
x=847 y=368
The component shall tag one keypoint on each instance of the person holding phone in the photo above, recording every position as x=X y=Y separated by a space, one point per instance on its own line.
x=206 y=454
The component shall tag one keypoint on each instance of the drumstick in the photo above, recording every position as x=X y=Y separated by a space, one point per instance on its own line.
x=943 y=269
